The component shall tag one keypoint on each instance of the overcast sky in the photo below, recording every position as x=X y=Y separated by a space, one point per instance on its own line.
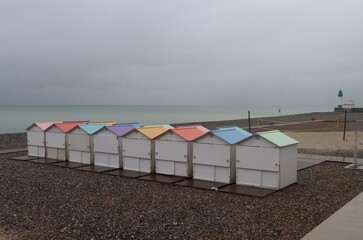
x=181 y=52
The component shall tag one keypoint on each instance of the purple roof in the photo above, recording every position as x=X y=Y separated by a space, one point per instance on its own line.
x=120 y=130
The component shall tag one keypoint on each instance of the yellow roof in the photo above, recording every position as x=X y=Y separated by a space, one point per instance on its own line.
x=107 y=123
x=152 y=131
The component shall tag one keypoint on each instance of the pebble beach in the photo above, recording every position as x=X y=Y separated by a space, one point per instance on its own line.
x=48 y=202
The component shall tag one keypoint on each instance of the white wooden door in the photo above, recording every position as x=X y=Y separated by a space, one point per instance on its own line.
x=55 y=140
x=258 y=158
x=107 y=159
x=137 y=148
x=79 y=142
x=35 y=138
x=105 y=144
x=249 y=177
x=211 y=154
x=171 y=158
x=173 y=151
x=137 y=164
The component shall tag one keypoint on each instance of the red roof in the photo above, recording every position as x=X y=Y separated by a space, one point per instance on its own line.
x=190 y=133
x=67 y=126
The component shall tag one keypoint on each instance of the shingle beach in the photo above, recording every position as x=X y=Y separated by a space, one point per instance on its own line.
x=48 y=202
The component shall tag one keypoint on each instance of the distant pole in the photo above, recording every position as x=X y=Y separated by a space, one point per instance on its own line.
x=355 y=148
x=249 y=121
x=345 y=124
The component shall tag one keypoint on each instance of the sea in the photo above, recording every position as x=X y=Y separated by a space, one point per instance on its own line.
x=17 y=118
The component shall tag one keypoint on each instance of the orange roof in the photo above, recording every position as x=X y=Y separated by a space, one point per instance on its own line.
x=190 y=133
x=107 y=123
x=153 y=131
x=68 y=126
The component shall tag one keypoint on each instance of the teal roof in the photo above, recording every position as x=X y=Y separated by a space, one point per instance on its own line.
x=278 y=138
x=232 y=135
x=91 y=128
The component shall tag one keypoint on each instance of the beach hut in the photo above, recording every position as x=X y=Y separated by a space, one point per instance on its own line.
x=174 y=150
x=214 y=155
x=57 y=139
x=107 y=144
x=138 y=148
x=36 y=138
x=80 y=143
x=267 y=160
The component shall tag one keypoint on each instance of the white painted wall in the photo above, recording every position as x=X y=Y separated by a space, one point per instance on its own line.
x=171 y=155
x=36 y=141
x=288 y=166
x=262 y=164
x=106 y=149
x=212 y=160
x=79 y=146
x=137 y=153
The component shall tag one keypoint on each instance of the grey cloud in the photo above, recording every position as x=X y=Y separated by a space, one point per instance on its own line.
x=180 y=52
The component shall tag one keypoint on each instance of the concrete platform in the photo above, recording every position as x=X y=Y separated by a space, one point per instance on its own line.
x=201 y=184
x=307 y=163
x=127 y=173
x=70 y=165
x=46 y=161
x=96 y=169
x=328 y=158
x=346 y=223
x=162 y=178
x=13 y=150
x=247 y=190
x=23 y=158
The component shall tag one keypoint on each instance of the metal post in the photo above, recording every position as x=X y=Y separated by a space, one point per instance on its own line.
x=345 y=124
x=249 y=121
x=355 y=149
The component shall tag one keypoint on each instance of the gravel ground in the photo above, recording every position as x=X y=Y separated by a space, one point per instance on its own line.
x=13 y=140
x=46 y=202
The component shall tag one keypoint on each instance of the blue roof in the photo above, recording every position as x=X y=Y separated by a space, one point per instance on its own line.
x=134 y=124
x=232 y=135
x=91 y=128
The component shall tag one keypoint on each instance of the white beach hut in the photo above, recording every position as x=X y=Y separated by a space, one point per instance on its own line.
x=138 y=148
x=174 y=150
x=36 y=138
x=214 y=155
x=267 y=160
x=80 y=143
x=57 y=140
x=107 y=144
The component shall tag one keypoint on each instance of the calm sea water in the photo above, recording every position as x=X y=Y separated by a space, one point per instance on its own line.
x=18 y=118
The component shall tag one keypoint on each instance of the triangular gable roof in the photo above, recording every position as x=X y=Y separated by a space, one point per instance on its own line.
x=167 y=126
x=153 y=131
x=135 y=124
x=67 y=126
x=232 y=135
x=120 y=130
x=107 y=123
x=190 y=133
x=43 y=125
x=278 y=138
x=91 y=128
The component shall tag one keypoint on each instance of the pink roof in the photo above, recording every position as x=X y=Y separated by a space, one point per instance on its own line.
x=44 y=125
x=190 y=133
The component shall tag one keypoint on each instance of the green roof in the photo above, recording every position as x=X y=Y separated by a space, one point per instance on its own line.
x=278 y=138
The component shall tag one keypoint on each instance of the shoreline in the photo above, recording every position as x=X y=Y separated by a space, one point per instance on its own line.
x=304 y=132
